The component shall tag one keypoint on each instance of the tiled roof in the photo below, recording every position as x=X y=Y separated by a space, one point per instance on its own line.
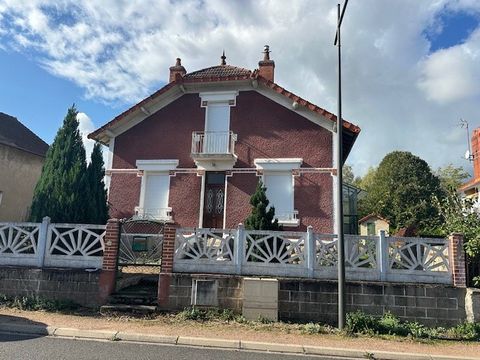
x=219 y=71
x=372 y=216
x=469 y=184
x=231 y=73
x=13 y=133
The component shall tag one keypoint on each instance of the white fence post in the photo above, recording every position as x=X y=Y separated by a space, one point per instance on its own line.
x=239 y=243
x=42 y=241
x=310 y=251
x=382 y=254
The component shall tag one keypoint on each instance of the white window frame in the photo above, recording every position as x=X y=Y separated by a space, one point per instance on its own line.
x=154 y=167
x=282 y=166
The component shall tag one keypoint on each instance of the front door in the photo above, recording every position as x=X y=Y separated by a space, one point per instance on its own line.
x=214 y=200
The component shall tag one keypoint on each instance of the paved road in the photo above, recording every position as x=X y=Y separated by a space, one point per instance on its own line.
x=20 y=347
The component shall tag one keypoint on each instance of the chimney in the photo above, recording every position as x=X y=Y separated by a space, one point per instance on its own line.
x=177 y=69
x=476 y=153
x=266 y=67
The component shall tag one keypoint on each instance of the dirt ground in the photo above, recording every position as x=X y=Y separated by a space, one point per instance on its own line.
x=274 y=333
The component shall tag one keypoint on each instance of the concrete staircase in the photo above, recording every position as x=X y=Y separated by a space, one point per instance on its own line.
x=140 y=298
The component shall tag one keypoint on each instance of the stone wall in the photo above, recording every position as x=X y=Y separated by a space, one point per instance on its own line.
x=316 y=301
x=229 y=291
x=76 y=285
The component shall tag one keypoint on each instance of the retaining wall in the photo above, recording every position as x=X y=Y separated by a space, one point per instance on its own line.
x=431 y=305
x=229 y=291
x=316 y=300
x=76 y=285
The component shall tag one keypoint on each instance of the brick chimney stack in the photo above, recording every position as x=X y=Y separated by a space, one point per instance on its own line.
x=476 y=153
x=177 y=69
x=266 y=67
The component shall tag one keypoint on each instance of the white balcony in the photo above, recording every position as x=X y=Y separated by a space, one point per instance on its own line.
x=287 y=218
x=213 y=150
x=158 y=214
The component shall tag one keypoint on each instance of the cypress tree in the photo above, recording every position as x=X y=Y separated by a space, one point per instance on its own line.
x=261 y=218
x=62 y=190
x=98 y=193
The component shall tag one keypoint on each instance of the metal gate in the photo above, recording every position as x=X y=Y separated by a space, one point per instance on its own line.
x=141 y=243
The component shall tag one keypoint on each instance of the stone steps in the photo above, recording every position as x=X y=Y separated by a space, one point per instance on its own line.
x=128 y=308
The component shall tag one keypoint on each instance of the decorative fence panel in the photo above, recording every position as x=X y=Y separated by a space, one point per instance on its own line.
x=19 y=243
x=423 y=258
x=75 y=245
x=201 y=250
x=53 y=245
x=278 y=253
x=306 y=254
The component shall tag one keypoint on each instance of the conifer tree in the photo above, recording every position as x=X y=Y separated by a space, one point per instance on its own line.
x=261 y=218
x=98 y=193
x=62 y=190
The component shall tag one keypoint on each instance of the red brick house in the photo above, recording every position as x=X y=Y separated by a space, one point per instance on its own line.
x=193 y=151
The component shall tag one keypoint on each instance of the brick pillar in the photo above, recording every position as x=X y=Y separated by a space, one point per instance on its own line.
x=167 y=265
x=106 y=280
x=457 y=260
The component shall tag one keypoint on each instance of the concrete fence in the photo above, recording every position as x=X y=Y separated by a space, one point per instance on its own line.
x=311 y=255
x=47 y=244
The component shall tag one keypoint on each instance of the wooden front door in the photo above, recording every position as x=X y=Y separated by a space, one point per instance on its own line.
x=214 y=200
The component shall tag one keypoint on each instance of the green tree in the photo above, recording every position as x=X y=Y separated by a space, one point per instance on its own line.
x=261 y=218
x=62 y=190
x=402 y=191
x=98 y=194
x=451 y=177
x=349 y=177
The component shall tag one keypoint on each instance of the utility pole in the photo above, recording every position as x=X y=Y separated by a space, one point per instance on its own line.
x=339 y=161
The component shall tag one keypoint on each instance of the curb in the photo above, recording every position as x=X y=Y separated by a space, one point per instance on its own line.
x=112 y=335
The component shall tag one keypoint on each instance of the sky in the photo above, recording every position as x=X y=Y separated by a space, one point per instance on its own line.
x=411 y=69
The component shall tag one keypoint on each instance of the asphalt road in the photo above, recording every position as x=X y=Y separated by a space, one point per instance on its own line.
x=21 y=347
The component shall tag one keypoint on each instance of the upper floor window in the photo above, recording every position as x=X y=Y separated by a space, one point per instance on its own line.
x=217 y=121
x=279 y=181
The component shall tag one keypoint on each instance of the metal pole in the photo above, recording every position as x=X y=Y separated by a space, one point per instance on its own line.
x=339 y=161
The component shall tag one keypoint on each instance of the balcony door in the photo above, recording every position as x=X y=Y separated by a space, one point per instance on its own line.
x=214 y=200
x=217 y=127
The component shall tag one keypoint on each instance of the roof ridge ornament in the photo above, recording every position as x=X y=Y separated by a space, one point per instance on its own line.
x=223 y=57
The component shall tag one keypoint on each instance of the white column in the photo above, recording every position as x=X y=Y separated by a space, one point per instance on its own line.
x=310 y=251
x=382 y=254
x=239 y=248
x=42 y=241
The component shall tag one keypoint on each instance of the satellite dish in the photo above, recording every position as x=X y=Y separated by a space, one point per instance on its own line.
x=467 y=155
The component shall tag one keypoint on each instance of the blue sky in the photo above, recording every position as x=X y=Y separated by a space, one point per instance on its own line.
x=412 y=68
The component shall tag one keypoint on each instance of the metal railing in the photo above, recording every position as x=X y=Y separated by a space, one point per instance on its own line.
x=213 y=142
x=161 y=214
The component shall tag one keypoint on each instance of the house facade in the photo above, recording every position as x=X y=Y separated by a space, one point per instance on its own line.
x=22 y=154
x=194 y=151
x=471 y=189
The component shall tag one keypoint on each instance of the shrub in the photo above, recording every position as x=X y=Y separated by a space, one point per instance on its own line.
x=33 y=303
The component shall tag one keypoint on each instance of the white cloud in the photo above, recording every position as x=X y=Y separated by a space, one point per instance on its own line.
x=402 y=96
x=453 y=74
x=85 y=126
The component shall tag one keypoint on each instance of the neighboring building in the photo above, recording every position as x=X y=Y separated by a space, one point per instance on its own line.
x=22 y=154
x=471 y=188
x=193 y=151
x=372 y=224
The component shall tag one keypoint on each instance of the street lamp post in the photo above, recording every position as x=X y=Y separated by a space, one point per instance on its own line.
x=339 y=161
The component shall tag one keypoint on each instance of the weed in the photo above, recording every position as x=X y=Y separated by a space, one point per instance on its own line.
x=37 y=303
x=313 y=328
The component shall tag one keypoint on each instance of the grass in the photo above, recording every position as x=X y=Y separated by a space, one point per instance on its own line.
x=361 y=323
